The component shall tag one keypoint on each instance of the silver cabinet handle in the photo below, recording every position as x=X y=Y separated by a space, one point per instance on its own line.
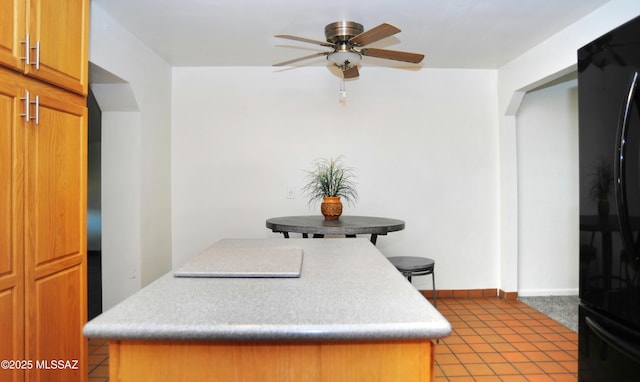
x=27 y=108
x=28 y=48
x=37 y=48
x=27 y=104
x=27 y=51
x=37 y=104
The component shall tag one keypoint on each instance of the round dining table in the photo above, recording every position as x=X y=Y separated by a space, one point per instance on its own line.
x=349 y=226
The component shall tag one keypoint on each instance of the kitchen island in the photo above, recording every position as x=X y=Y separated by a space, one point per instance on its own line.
x=348 y=315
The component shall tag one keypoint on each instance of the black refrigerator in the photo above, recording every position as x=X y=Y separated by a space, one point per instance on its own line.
x=609 y=136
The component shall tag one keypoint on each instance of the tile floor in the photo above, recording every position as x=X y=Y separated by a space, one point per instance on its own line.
x=98 y=360
x=498 y=340
x=492 y=340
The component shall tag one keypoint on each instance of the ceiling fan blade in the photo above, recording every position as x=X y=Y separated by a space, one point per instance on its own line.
x=372 y=35
x=283 y=63
x=414 y=58
x=303 y=39
x=351 y=72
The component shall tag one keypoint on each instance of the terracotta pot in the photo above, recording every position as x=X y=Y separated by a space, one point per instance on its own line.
x=331 y=207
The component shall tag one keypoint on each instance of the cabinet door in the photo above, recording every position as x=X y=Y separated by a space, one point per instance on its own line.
x=11 y=227
x=62 y=30
x=12 y=32
x=55 y=233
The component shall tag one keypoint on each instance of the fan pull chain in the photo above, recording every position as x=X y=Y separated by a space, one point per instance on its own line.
x=343 y=91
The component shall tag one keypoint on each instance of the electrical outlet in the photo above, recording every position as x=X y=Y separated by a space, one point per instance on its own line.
x=291 y=193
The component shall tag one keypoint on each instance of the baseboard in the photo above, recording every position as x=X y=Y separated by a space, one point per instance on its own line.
x=509 y=296
x=548 y=292
x=479 y=293
x=470 y=293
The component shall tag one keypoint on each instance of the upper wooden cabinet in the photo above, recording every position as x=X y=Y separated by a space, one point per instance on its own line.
x=48 y=40
x=12 y=31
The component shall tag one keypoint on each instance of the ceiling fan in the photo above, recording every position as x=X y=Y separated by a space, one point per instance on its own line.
x=348 y=41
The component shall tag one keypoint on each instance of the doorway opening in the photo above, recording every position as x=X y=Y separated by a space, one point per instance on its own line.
x=94 y=208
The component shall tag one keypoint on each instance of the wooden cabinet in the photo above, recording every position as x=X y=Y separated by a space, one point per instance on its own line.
x=57 y=36
x=11 y=229
x=55 y=230
x=43 y=144
x=331 y=361
x=12 y=31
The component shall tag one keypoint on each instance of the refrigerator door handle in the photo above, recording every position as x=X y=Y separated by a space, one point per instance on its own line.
x=625 y=347
x=619 y=170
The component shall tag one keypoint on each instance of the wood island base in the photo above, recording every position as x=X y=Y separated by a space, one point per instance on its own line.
x=376 y=361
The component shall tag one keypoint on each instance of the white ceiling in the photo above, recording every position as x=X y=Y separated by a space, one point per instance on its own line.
x=452 y=33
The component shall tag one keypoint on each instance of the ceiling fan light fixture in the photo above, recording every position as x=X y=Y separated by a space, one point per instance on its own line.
x=343 y=59
x=349 y=42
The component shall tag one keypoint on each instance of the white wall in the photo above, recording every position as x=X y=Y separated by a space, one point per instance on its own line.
x=424 y=144
x=121 y=262
x=547 y=146
x=546 y=62
x=436 y=140
x=557 y=55
x=136 y=185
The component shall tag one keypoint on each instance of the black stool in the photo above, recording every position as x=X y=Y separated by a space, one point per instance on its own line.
x=415 y=266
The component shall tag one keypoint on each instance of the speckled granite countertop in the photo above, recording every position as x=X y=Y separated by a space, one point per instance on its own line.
x=347 y=290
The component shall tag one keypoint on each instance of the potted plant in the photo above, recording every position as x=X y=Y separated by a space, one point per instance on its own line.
x=330 y=180
x=601 y=183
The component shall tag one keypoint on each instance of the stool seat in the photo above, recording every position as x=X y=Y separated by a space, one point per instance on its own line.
x=412 y=263
x=415 y=266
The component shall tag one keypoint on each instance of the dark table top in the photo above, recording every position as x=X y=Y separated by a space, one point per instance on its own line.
x=610 y=223
x=594 y=223
x=346 y=225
